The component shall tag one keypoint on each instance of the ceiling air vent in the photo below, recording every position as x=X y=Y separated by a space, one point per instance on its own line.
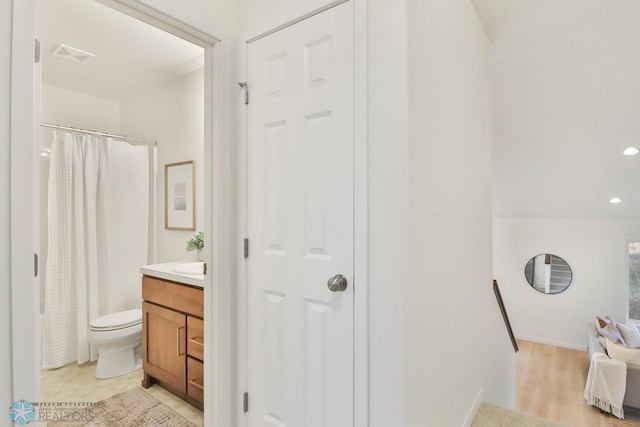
x=72 y=54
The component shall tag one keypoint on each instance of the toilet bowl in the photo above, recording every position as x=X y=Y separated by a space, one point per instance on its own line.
x=117 y=337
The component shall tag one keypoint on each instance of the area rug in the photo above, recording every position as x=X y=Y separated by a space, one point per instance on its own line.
x=495 y=416
x=133 y=408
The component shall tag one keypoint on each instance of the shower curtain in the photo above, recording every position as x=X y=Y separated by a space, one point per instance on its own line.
x=98 y=231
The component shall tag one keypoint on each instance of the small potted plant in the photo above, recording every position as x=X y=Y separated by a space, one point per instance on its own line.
x=196 y=244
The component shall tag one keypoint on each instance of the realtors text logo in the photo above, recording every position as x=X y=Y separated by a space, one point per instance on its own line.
x=23 y=412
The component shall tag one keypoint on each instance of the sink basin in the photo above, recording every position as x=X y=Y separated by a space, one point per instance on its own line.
x=190 y=268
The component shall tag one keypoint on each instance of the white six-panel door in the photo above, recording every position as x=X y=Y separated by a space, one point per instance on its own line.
x=300 y=223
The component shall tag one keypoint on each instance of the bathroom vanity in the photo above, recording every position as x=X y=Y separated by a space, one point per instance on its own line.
x=173 y=331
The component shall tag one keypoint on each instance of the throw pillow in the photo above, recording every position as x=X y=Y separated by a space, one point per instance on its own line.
x=611 y=332
x=628 y=355
x=630 y=335
x=603 y=322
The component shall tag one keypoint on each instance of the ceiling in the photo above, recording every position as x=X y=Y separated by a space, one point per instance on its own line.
x=131 y=56
x=566 y=77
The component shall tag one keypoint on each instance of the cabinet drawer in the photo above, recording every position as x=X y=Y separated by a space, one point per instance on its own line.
x=195 y=379
x=173 y=295
x=195 y=337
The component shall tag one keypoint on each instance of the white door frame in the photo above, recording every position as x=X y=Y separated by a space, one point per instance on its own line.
x=361 y=211
x=217 y=295
x=24 y=292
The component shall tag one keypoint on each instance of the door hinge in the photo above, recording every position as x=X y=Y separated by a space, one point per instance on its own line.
x=204 y=268
x=35 y=265
x=245 y=86
x=246 y=248
x=245 y=402
x=37 y=51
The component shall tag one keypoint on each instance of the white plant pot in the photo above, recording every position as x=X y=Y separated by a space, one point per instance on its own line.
x=199 y=255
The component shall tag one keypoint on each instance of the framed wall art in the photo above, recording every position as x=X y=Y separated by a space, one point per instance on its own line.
x=180 y=196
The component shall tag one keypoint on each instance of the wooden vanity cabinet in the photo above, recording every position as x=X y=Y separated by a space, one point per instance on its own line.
x=173 y=338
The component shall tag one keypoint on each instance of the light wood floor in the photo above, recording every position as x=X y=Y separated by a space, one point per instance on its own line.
x=550 y=384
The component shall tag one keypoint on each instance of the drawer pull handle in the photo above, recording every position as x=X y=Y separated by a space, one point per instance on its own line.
x=179 y=341
x=197 y=340
x=195 y=384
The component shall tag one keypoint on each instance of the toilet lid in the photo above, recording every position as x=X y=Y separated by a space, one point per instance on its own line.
x=118 y=320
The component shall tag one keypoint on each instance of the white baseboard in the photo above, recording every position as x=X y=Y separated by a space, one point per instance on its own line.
x=555 y=343
x=474 y=409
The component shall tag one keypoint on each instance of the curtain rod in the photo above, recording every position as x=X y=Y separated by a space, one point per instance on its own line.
x=93 y=132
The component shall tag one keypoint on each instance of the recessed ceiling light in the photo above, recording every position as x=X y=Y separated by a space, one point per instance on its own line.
x=631 y=151
x=615 y=200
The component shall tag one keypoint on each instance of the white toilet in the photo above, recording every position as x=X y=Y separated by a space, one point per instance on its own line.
x=118 y=339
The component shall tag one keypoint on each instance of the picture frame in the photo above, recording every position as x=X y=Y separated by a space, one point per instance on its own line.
x=505 y=316
x=180 y=196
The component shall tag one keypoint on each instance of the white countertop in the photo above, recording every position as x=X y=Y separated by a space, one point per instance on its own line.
x=165 y=271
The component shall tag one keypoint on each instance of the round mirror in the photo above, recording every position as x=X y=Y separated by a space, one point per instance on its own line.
x=548 y=274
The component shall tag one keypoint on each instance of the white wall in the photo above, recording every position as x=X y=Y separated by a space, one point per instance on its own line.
x=388 y=190
x=458 y=349
x=595 y=249
x=75 y=109
x=214 y=17
x=172 y=114
x=5 y=224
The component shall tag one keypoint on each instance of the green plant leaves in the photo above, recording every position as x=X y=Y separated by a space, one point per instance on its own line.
x=197 y=242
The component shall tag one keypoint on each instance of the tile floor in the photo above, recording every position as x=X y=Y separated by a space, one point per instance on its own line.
x=76 y=383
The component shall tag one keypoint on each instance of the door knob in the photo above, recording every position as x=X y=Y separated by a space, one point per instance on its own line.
x=337 y=283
